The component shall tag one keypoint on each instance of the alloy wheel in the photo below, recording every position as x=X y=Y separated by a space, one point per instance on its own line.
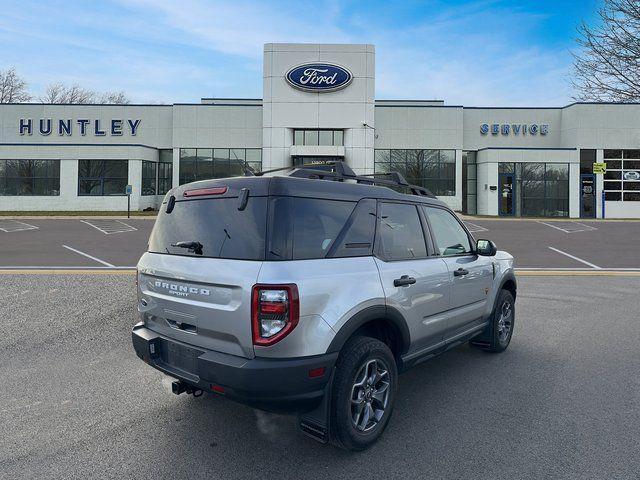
x=370 y=395
x=505 y=321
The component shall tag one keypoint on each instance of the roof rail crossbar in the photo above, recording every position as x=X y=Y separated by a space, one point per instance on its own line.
x=340 y=172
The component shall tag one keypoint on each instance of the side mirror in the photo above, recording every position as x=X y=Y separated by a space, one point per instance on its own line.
x=486 y=248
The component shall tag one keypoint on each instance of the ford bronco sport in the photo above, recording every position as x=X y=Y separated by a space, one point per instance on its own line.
x=308 y=292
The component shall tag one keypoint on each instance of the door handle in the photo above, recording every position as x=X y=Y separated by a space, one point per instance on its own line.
x=403 y=281
x=460 y=272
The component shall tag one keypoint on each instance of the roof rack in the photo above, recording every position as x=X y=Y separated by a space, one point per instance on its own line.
x=340 y=171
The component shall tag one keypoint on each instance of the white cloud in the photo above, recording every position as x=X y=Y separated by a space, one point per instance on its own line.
x=479 y=53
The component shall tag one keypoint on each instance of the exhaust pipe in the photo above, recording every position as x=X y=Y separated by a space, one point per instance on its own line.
x=178 y=387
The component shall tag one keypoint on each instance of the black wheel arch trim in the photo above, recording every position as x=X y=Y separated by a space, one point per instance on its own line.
x=510 y=276
x=376 y=312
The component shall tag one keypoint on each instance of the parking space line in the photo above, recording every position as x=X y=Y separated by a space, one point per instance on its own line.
x=109 y=227
x=67 y=271
x=475 y=228
x=89 y=256
x=587 y=228
x=9 y=226
x=587 y=272
x=576 y=258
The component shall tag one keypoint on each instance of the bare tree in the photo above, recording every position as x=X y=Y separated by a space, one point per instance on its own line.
x=75 y=94
x=117 y=98
x=608 y=66
x=61 y=93
x=13 y=89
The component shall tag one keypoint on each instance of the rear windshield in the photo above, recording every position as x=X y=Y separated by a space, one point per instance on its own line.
x=216 y=224
x=271 y=228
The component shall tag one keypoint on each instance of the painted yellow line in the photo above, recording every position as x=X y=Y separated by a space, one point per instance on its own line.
x=131 y=271
x=580 y=273
x=52 y=271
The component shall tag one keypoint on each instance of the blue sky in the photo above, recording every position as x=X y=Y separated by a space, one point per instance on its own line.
x=474 y=52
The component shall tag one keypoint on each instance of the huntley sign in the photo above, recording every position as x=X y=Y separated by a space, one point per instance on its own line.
x=66 y=127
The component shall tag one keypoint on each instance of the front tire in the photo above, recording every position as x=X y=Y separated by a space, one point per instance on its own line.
x=364 y=392
x=500 y=329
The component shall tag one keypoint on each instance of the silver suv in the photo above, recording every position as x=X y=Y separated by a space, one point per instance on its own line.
x=298 y=294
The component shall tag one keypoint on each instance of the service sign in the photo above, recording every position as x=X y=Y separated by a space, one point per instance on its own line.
x=319 y=77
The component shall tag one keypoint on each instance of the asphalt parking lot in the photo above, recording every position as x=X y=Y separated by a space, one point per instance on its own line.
x=110 y=243
x=561 y=402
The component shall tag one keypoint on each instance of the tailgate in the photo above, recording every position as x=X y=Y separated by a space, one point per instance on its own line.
x=204 y=302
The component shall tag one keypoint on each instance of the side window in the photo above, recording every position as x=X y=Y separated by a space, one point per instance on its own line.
x=305 y=228
x=356 y=239
x=450 y=237
x=400 y=232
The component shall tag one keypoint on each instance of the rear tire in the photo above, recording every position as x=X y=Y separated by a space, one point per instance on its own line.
x=500 y=330
x=364 y=392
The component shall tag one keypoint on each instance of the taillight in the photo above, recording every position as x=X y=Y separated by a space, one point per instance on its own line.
x=275 y=310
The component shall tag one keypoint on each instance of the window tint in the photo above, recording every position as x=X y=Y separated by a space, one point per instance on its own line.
x=305 y=228
x=318 y=137
x=433 y=169
x=356 y=239
x=450 y=237
x=205 y=163
x=102 y=177
x=29 y=177
x=148 y=178
x=400 y=232
x=222 y=229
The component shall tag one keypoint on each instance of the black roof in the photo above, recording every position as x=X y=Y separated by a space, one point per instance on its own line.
x=284 y=185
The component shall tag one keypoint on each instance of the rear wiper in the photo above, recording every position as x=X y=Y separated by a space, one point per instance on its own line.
x=194 y=247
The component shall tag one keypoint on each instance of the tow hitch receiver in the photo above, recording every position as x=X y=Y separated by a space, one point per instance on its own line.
x=178 y=387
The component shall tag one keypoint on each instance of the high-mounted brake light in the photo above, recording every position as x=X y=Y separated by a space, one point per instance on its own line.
x=275 y=311
x=205 y=191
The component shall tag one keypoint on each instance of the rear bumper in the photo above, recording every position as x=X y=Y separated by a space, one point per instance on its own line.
x=277 y=385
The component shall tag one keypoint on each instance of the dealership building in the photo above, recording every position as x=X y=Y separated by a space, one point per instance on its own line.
x=319 y=105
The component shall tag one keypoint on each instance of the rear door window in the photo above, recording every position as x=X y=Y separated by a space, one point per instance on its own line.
x=356 y=238
x=400 y=234
x=216 y=224
x=305 y=228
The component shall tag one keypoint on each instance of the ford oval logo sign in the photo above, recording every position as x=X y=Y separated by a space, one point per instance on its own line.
x=319 y=77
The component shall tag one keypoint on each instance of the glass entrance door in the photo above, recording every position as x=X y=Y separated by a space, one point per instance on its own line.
x=506 y=194
x=587 y=196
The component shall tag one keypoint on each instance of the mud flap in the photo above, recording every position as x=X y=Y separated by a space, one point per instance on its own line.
x=316 y=423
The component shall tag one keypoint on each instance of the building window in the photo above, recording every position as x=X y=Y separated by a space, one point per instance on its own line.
x=587 y=159
x=148 y=178
x=542 y=189
x=622 y=180
x=324 y=138
x=469 y=182
x=30 y=177
x=165 y=171
x=102 y=177
x=204 y=163
x=432 y=169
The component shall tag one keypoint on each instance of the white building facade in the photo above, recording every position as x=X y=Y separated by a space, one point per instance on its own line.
x=319 y=105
